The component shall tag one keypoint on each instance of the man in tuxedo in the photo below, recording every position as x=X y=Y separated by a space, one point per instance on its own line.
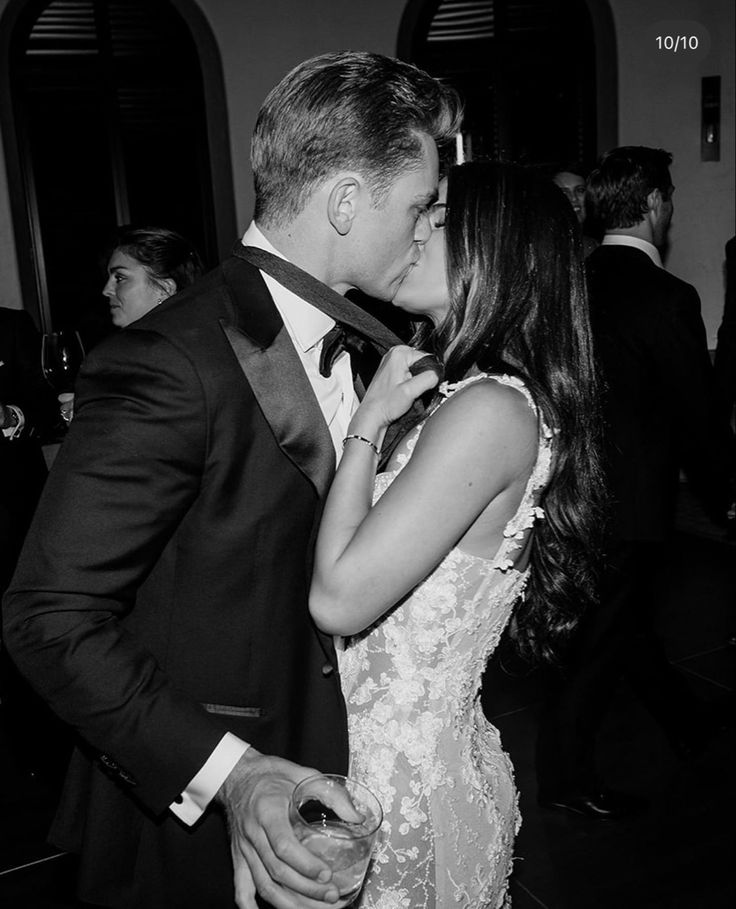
x=160 y=603
x=660 y=415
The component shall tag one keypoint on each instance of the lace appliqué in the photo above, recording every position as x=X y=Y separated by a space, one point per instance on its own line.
x=418 y=735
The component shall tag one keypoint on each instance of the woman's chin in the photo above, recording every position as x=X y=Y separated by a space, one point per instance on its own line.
x=410 y=304
x=418 y=309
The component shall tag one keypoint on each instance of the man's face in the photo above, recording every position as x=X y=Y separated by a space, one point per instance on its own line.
x=387 y=240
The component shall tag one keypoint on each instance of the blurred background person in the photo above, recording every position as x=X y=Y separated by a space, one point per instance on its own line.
x=660 y=416
x=146 y=266
x=570 y=178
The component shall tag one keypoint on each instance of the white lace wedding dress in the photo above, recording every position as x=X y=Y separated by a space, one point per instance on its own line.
x=418 y=736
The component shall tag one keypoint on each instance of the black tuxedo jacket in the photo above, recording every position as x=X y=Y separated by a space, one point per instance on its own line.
x=22 y=466
x=161 y=598
x=660 y=407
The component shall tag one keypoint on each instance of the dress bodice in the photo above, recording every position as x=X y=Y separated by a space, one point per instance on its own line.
x=451 y=622
x=417 y=733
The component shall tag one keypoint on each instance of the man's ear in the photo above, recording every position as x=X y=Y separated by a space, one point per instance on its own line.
x=654 y=201
x=342 y=204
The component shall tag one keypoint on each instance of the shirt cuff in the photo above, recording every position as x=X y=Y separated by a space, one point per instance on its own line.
x=12 y=432
x=192 y=803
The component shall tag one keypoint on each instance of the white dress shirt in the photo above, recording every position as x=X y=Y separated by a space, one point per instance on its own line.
x=306 y=326
x=644 y=245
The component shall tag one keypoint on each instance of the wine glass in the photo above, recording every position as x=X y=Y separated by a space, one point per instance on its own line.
x=61 y=356
x=345 y=845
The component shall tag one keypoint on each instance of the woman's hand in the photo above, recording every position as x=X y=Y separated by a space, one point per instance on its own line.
x=393 y=389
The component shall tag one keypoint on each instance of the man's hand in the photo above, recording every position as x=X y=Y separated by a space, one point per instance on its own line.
x=267 y=857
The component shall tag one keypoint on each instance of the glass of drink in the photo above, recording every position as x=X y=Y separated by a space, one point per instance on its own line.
x=316 y=812
x=61 y=356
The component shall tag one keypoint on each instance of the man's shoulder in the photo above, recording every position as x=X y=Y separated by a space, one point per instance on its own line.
x=622 y=270
x=215 y=296
x=193 y=305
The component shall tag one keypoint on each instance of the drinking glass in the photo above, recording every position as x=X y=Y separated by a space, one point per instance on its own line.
x=343 y=845
x=61 y=356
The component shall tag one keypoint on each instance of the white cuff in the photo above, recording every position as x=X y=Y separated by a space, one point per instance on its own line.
x=190 y=806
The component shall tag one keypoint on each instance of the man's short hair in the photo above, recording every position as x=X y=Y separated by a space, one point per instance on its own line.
x=618 y=186
x=344 y=111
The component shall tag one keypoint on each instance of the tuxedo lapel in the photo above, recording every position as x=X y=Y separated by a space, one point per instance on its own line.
x=275 y=373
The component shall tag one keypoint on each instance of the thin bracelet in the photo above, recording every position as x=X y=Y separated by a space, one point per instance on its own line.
x=375 y=448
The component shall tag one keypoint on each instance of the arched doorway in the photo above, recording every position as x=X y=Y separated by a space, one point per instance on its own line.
x=528 y=70
x=110 y=114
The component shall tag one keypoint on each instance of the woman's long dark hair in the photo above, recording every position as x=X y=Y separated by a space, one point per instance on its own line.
x=518 y=305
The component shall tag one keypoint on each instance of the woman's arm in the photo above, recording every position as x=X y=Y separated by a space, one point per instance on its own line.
x=368 y=558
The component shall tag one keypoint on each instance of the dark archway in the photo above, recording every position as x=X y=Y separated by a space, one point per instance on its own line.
x=113 y=112
x=538 y=76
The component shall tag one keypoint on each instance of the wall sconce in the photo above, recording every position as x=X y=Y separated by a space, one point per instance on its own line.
x=710 y=125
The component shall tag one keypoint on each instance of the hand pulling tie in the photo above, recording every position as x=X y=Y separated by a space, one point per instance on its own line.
x=425 y=363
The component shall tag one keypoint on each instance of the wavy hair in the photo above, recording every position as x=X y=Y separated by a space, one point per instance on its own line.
x=341 y=111
x=518 y=305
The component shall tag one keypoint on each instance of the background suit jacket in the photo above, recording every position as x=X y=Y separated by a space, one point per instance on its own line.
x=22 y=466
x=161 y=598
x=659 y=405
x=725 y=359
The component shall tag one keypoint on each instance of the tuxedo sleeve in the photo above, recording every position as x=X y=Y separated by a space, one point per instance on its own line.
x=124 y=478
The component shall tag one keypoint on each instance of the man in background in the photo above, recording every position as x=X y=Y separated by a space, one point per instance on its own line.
x=661 y=416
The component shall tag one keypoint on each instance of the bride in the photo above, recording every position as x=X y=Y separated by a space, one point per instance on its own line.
x=484 y=516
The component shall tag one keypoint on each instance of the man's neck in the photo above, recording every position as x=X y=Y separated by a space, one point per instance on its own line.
x=611 y=239
x=302 y=245
x=640 y=231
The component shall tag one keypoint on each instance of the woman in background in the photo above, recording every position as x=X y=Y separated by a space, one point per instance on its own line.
x=146 y=266
x=571 y=180
x=486 y=515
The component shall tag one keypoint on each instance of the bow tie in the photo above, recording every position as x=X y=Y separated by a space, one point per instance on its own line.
x=339 y=339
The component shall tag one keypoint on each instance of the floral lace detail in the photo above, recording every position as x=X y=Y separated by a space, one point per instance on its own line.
x=418 y=736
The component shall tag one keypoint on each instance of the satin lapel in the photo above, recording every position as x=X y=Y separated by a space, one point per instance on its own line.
x=274 y=371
